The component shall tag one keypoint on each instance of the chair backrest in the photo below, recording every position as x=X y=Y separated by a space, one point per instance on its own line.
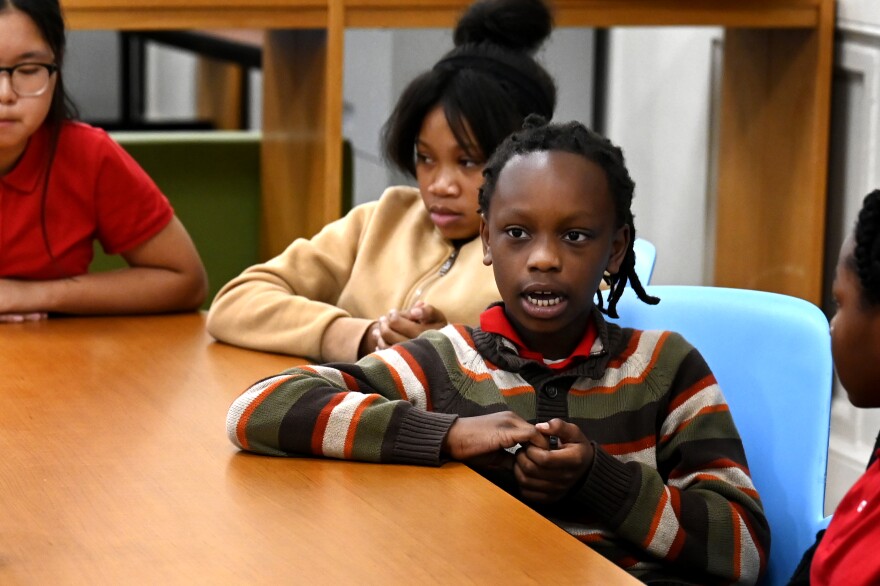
x=213 y=181
x=771 y=355
x=212 y=178
x=646 y=256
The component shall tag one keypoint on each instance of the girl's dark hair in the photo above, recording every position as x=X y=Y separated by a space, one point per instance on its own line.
x=865 y=260
x=46 y=15
x=486 y=85
x=574 y=137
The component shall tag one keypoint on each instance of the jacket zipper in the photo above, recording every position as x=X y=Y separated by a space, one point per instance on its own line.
x=447 y=264
x=444 y=268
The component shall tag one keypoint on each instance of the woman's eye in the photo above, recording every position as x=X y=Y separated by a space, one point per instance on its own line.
x=469 y=163
x=516 y=233
x=423 y=158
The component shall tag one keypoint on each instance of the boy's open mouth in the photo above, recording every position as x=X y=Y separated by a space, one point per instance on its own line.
x=543 y=298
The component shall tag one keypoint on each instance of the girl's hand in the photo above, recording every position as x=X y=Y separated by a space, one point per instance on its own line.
x=15 y=318
x=21 y=300
x=399 y=326
x=545 y=476
x=427 y=316
x=370 y=340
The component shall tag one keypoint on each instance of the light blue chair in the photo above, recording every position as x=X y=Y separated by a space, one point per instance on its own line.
x=771 y=355
x=646 y=256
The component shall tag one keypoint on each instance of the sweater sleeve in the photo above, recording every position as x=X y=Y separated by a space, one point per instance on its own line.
x=695 y=507
x=370 y=411
x=288 y=304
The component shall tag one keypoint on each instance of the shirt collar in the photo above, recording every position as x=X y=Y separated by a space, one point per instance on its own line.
x=494 y=320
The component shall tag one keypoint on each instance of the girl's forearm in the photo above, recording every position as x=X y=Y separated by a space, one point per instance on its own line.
x=129 y=290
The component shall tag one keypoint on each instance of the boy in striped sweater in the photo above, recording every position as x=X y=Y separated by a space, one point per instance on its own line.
x=621 y=437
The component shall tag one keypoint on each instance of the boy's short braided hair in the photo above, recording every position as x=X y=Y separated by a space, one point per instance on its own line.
x=866 y=253
x=574 y=137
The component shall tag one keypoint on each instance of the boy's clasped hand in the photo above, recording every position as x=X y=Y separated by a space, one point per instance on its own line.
x=544 y=473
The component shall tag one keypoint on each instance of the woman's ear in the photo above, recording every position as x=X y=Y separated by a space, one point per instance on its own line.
x=484 y=237
x=619 y=246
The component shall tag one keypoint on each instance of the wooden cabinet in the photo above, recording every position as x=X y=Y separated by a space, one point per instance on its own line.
x=774 y=118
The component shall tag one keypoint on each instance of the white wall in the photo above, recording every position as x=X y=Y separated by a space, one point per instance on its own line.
x=170 y=97
x=858 y=16
x=90 y=73
x=660 y=96
x=367 y=88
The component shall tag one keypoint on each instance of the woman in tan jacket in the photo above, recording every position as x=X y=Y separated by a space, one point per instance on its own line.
x=410 y=261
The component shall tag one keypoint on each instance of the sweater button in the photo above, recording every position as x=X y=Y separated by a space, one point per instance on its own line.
x=552 y=392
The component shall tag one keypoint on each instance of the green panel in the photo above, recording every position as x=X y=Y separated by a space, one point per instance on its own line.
x=213 y=181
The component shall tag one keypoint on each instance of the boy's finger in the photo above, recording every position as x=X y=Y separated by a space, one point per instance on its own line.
x=564 y=431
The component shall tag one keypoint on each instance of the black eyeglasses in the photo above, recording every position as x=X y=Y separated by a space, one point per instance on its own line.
x=30 y=79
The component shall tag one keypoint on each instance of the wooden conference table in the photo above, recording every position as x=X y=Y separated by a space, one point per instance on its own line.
x=116 y=469
x=774 y=117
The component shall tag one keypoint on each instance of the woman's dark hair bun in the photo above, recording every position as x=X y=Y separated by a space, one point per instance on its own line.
x=534 y=121
x=521 y=25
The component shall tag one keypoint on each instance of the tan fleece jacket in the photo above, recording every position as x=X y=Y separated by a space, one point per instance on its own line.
x=317 y=298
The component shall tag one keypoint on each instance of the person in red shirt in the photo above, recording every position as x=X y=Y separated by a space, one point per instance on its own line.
x=847 y=552
x=64 y=184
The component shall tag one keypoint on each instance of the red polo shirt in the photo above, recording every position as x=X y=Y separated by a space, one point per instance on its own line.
x=848 y=553
x=96 y=191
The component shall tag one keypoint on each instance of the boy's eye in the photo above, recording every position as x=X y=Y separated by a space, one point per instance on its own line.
x=576 y=236
x=516 y=232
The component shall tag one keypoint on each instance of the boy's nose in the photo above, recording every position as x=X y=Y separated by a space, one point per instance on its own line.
x=544 y=255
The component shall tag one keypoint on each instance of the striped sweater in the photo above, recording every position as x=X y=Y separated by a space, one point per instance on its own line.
x=668 y=495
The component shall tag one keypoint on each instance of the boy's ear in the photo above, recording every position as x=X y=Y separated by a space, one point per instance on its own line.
x=619 y=246
x=484 y=238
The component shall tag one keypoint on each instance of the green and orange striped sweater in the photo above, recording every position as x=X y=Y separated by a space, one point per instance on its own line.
x=668 y=495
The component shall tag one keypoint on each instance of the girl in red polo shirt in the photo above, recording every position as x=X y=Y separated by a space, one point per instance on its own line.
x=847 y=552
x=64 y=184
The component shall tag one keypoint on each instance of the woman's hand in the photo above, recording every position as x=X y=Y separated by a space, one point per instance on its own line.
x=399 y=326
x=370 y=340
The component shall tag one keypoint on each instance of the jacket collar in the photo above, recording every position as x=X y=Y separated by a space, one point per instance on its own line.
x=610 y=341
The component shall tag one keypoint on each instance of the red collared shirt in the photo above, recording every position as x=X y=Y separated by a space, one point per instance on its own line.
x=96 y=192
x=847 y=553
x=494 y=320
